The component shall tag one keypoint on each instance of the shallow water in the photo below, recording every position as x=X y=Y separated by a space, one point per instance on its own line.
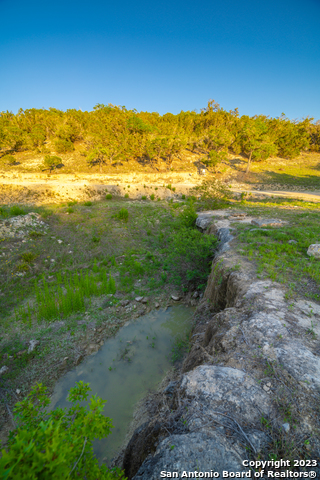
x=126 y=368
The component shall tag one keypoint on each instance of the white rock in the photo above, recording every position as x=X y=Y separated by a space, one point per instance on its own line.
x=175 y=298
x=3 y=370
x=59 y=241
x=18 y=391
x=314 y=250
x=32 y=345
x=286 y=427
x=138 y=299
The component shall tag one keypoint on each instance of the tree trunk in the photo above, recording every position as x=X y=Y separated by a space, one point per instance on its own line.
x=249 y=162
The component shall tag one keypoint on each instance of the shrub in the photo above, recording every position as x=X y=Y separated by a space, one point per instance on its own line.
x=3 y=212
x=51 y=162
x=9 y=159
x=108 y=196
x=212 y=193
x=88 y=204
x=188 y=261
x=189 y=216
x=152 y=197
x=123 y=214
x=126 y=195
x=57 y=444
x=15 y=210
x=143 y=197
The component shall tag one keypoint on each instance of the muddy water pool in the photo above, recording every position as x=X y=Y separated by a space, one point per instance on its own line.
x=126 y=368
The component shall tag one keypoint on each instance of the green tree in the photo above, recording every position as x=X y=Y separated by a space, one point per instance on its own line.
x=255 y=140
x=51 y=162
x=58 y=444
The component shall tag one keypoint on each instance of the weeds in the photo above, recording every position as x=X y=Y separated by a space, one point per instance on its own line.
x=15 y=211
x=68 y=296
x=123 y=214
x=28 y=257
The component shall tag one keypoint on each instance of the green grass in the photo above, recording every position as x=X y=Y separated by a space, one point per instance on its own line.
x=303 y=171
x=67 y=295
x=271 y=249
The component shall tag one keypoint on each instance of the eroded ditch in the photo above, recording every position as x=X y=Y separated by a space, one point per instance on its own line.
x=127 y=367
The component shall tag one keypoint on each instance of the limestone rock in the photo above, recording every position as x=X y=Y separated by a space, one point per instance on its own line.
x=286 y=427
x=314 y=250
x=270 y=222
x=227 y=389
x=33 y=344
x=191 y=452
x=3 y=370
x=176 y=298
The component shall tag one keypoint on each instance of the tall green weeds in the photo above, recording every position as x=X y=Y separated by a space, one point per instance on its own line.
x=67 y=296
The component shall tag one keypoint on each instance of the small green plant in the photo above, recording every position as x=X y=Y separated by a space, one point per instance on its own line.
x=23 y=267
x=126 y=195
x=95 y=239
x=15 y=211
x=108 y=196
x=35 y=234
x=123 y=214
x=152 y=196
x=57 y=444
x=144 y=197
x=70 y=210
x=28 y=257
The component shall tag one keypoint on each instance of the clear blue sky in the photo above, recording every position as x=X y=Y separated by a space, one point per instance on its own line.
x=166 y=56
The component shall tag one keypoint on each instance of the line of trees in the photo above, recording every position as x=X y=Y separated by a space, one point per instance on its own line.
x=114 y=134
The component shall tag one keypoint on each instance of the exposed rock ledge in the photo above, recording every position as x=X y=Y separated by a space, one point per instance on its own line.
x=251 y=379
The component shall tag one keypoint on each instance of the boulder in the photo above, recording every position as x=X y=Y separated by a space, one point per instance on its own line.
x=193 y=452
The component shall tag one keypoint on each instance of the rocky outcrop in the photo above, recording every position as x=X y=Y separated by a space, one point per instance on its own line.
x=250 y=384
